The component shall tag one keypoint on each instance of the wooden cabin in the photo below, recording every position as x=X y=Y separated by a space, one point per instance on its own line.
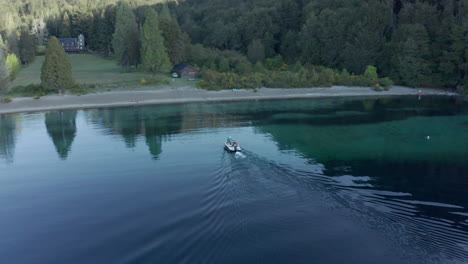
x=185 y=70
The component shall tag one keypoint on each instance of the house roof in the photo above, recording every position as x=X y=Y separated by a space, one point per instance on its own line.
x=182 y=66
x=68 y=40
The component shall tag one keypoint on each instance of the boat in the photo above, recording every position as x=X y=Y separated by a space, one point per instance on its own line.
x=232 y=145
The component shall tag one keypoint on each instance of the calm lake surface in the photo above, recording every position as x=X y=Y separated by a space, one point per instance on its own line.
x=320 y=181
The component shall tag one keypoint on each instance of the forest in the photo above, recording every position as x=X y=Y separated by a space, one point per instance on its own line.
x=254 y=43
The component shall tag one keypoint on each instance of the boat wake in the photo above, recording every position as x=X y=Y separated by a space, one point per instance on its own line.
x=407 y=222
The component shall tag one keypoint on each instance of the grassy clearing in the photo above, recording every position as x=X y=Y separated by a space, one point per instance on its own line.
x=101 y=74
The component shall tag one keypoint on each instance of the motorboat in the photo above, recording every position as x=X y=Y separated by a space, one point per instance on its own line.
x=232 y=145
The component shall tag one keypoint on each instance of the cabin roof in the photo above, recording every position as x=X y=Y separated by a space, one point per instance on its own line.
x=182 y=66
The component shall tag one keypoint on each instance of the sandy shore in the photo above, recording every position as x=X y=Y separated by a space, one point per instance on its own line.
x=192 y=95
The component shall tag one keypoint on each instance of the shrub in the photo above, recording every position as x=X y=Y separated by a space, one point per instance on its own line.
x=371 y=75
x=326 y=78
x=14 y=66
x=79 y=90
x=143 y=81
x=6 y=100
x=243 y=68
x=377 y=88
x=258 y=67
x=275 y=63
x=30 y=90
x=386 y=82
x=296 y=67
x=343 y=78
x=37 y=97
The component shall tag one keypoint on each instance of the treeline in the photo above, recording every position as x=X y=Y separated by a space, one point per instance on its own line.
x=414 y=42
x=296 y=76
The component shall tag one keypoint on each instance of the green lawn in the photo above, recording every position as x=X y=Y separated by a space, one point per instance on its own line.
x=101 y=71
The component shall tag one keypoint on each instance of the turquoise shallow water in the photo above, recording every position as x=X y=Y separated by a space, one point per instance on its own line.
x=320 y=181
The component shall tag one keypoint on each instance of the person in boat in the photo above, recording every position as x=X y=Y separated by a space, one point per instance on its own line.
x=229 y=140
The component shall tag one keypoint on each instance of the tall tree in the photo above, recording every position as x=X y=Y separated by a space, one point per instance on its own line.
x=39 y=30
x=27 y=47
x=413 y=64
x=289 y=46
x=175 y=40
x=3 y=69
x=65 y=29
x=125 y=38
x=56 y=71
x=154 y=55
x=11 y=42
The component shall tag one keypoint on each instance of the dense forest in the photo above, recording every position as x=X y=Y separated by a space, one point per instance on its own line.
x=414 y=42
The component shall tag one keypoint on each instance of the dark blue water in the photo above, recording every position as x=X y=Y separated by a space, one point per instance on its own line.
x=320 y=181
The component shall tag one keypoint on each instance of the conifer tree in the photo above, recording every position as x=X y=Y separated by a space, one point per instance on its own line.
x=154 y=55
x=27 y=47
x=175 y=40
x=412 y=62
x=125 y=38
x=11 y=43
x=3 y=70
x=65 y=30
x=56 y=71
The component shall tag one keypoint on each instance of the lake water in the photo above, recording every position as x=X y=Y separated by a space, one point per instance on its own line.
x=319 y=181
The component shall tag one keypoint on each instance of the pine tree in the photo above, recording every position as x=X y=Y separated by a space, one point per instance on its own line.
x=413 y=69
x=289 y=46
x=100 y=36
x=125 y=38
x=65 y=28
x=175 y=40
x=3 y=69
x=11 y=43
x=412 y=63
x=154 y=55
x=27 y=47
x=269 y=45
x=56 y=71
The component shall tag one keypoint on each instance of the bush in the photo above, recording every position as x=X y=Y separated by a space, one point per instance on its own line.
x=30 y=90
x=79 y=90
x=343 y=78
x=377 y=88
x=386 y=82
x=275 y=64
x=243 y=68
x=13 y=64
x=258 y=67
x=371 y=75
x=37 y=97
x=6 y=100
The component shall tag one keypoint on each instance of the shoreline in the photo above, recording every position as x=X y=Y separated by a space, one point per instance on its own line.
x=188 y=94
